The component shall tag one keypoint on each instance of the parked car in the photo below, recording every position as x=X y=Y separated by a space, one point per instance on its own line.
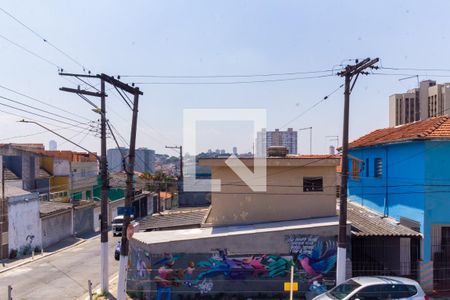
x=117 y=224
x=117 y=251
x=375 y=288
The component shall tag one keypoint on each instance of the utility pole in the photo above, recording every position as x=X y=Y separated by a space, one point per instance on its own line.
x=122 y=280
x=104 y=172
x=350 y=74
x=180 y=177
x=104 y=280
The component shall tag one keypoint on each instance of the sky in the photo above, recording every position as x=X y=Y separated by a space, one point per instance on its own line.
x=196 y=38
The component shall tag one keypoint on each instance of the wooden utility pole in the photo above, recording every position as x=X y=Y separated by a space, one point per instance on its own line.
x=122 y=280
x=104 y=173
x=350 y=74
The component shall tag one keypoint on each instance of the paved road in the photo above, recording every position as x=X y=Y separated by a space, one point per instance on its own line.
x=63 y=275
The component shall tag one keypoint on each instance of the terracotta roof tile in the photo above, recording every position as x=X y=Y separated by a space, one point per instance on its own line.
x=432 y=128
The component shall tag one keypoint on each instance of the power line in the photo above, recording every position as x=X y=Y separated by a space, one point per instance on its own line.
x=312 y=106
x=31 y=52
x=235 y=82
x=416 y=69
x=39 y=109
x=44 y=39
x=37 y=114
x=229 y=76
x=33 y=134
x=42 y=102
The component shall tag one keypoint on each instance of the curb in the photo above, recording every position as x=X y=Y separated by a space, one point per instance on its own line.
x=39 y=257
x=97 y=290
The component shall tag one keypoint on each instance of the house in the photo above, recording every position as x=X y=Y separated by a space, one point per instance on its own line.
x=20 y=226
x=73 y=174
x=247 y=241
x=22 y=167
x=402 y=173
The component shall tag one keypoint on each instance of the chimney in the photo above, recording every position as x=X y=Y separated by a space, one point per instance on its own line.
x=332 y=149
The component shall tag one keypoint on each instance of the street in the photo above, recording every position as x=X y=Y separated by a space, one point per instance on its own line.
x=63 y=275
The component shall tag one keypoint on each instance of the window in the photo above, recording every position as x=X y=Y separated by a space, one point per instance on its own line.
x=367 y=168
x=386 y=291
x=313 y=184
x=355 y=169
x=378 y=167
x=343 y=290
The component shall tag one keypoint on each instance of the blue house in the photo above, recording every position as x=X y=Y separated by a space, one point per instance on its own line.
x=404 y=173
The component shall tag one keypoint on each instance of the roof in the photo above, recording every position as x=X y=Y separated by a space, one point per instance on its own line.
x=43 y=173
x=9 y=175
x=47 y=208
x=12 y=191
x=156 y=237
x=366 y=222
x=192 y=217
x=432 y=128
x=364 y=280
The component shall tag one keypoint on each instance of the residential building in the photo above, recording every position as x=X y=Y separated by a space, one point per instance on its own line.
x=144 y=161
x=266 y=139
x=20 y=226
x=22 y=165
x=246 y=241
x=235 y=151
x=73 y=174
x=428 y=100
x=401 y=173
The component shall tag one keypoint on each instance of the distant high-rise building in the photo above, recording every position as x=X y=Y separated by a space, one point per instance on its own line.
x=235 y=150
x=144 y=161
x=52 y=145
x=266 y=139
x=428 y=100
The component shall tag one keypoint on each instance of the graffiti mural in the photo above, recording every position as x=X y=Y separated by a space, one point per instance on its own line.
x=315 y=258
x=160 y=276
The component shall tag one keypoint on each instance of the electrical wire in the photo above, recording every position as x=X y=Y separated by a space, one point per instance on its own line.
x=230 y=76
x=31 y=52
x=312 y=106
x=39 y=109
x=44 y=39
x=42 y=102
x=235 y=82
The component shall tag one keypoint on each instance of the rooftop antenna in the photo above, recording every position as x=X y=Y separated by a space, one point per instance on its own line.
x=409 y=77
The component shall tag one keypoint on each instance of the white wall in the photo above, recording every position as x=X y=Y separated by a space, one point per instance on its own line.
x=24 y=230
x=61 y=167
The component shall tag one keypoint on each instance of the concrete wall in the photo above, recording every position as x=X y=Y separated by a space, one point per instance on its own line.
x=284 y=199
x=83 y=220
x=84 y=176
x=56 y=227
x=252 y=263
x=24 y=232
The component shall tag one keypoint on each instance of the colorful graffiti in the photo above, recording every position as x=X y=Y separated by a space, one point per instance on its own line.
x=315 y=255
x=219 y=271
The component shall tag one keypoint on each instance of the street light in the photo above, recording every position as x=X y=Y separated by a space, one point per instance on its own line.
x=310 y=137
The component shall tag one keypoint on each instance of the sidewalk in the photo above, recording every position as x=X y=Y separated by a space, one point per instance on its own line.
x=8 y=264
x=112 y=291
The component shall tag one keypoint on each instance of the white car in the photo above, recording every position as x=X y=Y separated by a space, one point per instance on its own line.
x=117 y=225
x=375 y=288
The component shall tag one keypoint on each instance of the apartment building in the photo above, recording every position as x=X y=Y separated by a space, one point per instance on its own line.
x=144 y=162
x=266 y=139
x=428 y=100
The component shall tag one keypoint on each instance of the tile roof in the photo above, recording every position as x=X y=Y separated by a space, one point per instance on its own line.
x=49 y=207
x=366 y=222
x=432 y=128
x=192 y=217
x=9 y=175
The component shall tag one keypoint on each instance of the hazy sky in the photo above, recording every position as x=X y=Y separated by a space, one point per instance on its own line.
x=217 y=38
